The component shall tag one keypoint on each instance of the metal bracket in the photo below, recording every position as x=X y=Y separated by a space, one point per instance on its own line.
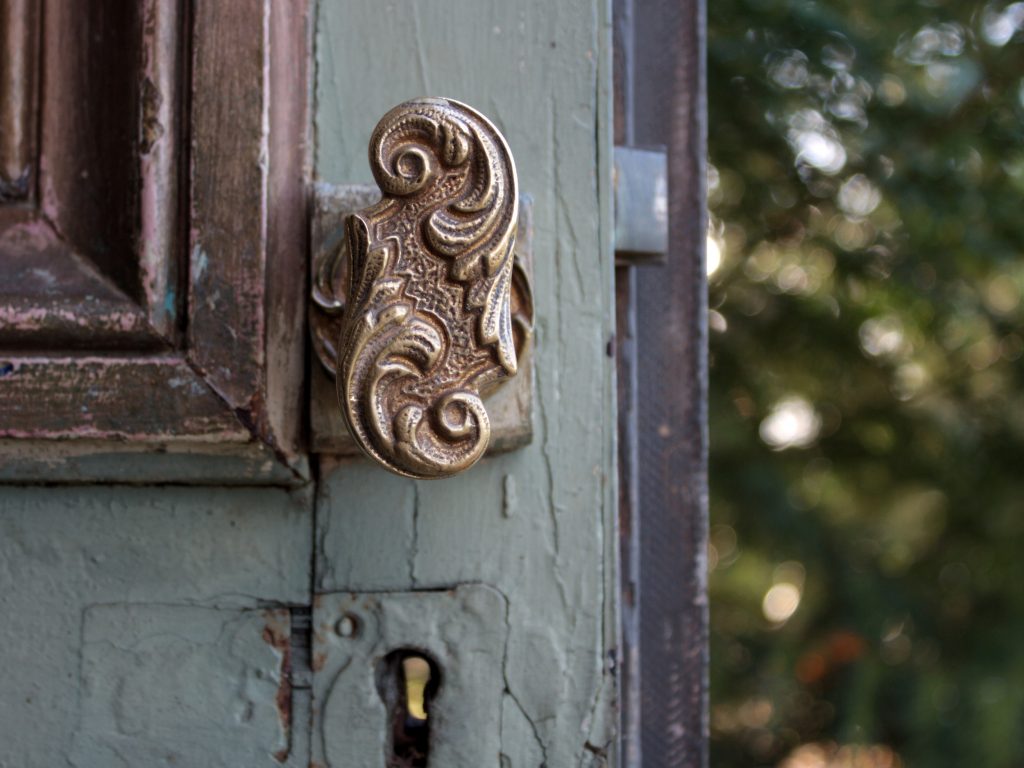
x=641 y=206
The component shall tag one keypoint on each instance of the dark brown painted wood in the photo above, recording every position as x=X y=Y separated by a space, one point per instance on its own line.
x=191 y=309
x=89 y=173
x=629 y=516
x=161 y=153
x=227 y=256
x=288 y=231
x=662 y=311
x=18 y=79
x=141 y=399
x=49 y=292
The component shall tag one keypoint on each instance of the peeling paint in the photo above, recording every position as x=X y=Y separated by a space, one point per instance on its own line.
x=152 y=128
x=460 y=630
x=277 y=634
x=140 y=624
x=538 y=523
x=200 y=261
x=509 y=499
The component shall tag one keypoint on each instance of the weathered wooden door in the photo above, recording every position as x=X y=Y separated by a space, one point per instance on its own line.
x=192 y=571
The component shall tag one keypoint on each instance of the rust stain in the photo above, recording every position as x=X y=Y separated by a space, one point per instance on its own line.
x=277 y=634
x=319 y=660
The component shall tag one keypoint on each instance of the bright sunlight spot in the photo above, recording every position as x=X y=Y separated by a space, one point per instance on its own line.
x=780 y=602
x=714 y=255
x=792 y=423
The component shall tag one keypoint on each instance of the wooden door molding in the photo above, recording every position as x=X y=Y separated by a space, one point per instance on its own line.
x=152 y=276
x=19 y=29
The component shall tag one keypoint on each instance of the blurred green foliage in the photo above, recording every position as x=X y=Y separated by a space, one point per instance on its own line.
x=867 y=362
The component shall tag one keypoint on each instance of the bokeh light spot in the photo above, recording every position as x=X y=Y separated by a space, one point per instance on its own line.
x=780 y=602
x=792 y=423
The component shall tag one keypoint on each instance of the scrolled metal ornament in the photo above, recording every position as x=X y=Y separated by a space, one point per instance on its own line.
x=427 y=327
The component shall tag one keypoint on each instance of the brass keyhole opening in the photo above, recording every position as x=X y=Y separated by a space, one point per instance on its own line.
x=408 y=682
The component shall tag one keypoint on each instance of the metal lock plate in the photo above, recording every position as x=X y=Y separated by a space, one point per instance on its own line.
x=462 y=631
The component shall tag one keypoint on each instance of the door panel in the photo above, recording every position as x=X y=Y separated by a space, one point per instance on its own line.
x=175 y=684
x=537 y=524
x=95 y=584
x=168 y=625
x=151 y=289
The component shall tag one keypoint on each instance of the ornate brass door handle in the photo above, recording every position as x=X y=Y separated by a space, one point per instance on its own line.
x=427 y=310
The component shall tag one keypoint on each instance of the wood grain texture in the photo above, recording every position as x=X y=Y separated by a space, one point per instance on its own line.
x=19 y=34
x=97 y=269
x=247 y=247
x=228 y=254
x=142 y=399
x=89 y=171
x=160 y=151
x=83 y=462
x=109 y=151
x=536 y=524
x=288 y=230
x=51 y=294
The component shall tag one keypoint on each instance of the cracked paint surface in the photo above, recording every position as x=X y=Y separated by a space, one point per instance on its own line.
x=106 y=586
x=537 y=525
x=179 y=685
x=136 y=618
x=462 y=630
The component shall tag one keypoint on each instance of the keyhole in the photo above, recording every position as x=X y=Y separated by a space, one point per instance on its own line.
x=408 y=682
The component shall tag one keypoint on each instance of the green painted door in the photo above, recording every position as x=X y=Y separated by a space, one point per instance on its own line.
x=259 y=604
x=534 y=526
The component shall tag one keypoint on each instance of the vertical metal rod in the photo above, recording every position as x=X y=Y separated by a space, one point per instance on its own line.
x=629 y=517
x=18 y=63
x=630 y=753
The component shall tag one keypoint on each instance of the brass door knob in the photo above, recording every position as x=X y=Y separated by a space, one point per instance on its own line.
x=433 y=311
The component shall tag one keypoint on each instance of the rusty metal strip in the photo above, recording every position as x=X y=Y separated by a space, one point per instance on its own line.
x=663 y=372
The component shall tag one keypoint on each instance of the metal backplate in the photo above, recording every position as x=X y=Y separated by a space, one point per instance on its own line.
x=462 y=630
x=509 y=407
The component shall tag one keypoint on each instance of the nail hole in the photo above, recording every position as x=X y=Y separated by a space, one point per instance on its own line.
x=348 y=625
x=408 y=682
